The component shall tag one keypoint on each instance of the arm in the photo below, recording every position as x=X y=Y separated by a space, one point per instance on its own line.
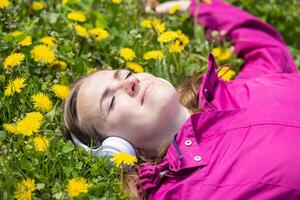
x=261 y=46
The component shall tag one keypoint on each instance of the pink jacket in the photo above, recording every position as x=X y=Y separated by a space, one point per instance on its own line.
x=246 y=142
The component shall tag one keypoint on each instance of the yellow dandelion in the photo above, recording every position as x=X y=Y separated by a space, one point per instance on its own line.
x=167 y=36
x=226 y=73
x=4 y=4
x=27 y=41
x=16 y=33
x=9 y=127
x=216 y=52
x=77 y=186
x=81 y=31
x=98 y=33
x=14 y=86
x=38 y=5
x=43 y=54
x=225 y=55
x=146 y=23
x=41 y=102
x=182 y=37
x=116 y=1
x=135 y=67
x=127 y=53
x=25 y=189
x=123 y=158
x=76 y=16
x=176 y=47
x=221 y=55
x=41 y=143
x=13 y=60
x=48 y=40
x=59 y=63
x=61 y=91
x=154 y=54
x=158 y=25
x=174 y=9
x=30 y=124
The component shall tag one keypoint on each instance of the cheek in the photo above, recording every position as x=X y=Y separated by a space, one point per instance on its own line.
x=125 y=109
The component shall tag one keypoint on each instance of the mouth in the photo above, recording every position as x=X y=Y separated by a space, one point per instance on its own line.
x=145 y=92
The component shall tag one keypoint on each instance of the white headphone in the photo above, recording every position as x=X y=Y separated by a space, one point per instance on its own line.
x=111 y=145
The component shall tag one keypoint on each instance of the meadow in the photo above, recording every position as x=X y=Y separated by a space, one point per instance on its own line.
x=45 y=46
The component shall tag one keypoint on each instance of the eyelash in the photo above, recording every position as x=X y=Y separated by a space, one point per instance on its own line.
x=113 y=99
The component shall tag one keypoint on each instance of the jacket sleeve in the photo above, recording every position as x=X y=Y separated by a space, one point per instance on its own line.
x=260 y=45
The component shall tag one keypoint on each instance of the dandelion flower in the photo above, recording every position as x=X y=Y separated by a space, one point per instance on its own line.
x=25 y=189
x=81 y=31
x=98 y=33
x=43 y=54
x=48 y=40
x=146 y=23
x=155 y=54
x=4 y=4
x=9 y=127
x=13 y=60
x=76 y=16
x=77 y=186
x=41 y=102
x=41 y=143
x=176 y=47
x=27 y=41
x=225 y=55
x=29 y=124
x=38 y=5
x=61 y=91
x=14 y=86
x=116 y=1
x=182 y=37
x=167 y=36
x=220 y=54
x=216 y=52
x=16 y=33
x=59 y=63
x=127 y=53
x=135 y=67
x=226 y=73
x=123 y=158
x=158 y=25
x=174 y=9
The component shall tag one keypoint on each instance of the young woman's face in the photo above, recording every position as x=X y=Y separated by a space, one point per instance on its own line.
x=135 y=107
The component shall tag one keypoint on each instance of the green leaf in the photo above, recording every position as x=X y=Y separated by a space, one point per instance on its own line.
x=2 y=135
x=68 y=148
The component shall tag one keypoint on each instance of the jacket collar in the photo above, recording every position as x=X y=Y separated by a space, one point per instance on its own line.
x=197 y=128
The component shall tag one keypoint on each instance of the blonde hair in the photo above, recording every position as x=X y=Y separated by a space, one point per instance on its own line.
x=187 y=94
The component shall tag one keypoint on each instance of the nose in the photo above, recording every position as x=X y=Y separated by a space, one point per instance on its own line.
x=129 y=85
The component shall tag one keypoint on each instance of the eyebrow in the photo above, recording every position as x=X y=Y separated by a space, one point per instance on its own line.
x=105 y=93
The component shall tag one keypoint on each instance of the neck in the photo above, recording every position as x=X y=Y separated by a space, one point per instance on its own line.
x=176 y=123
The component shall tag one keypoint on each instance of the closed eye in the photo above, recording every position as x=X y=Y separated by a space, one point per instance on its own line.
x=113 y=99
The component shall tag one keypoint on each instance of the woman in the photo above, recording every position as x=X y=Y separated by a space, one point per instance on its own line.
x=244 y=144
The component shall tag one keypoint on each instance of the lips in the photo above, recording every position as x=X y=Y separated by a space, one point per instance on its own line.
x=145 y=92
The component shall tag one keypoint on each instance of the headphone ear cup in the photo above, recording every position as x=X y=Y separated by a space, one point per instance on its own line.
x=112 y=145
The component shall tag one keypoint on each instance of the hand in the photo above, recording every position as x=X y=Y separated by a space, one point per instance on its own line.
x=166 y=6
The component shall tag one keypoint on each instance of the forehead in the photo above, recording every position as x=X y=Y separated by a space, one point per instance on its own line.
x=88 y=104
